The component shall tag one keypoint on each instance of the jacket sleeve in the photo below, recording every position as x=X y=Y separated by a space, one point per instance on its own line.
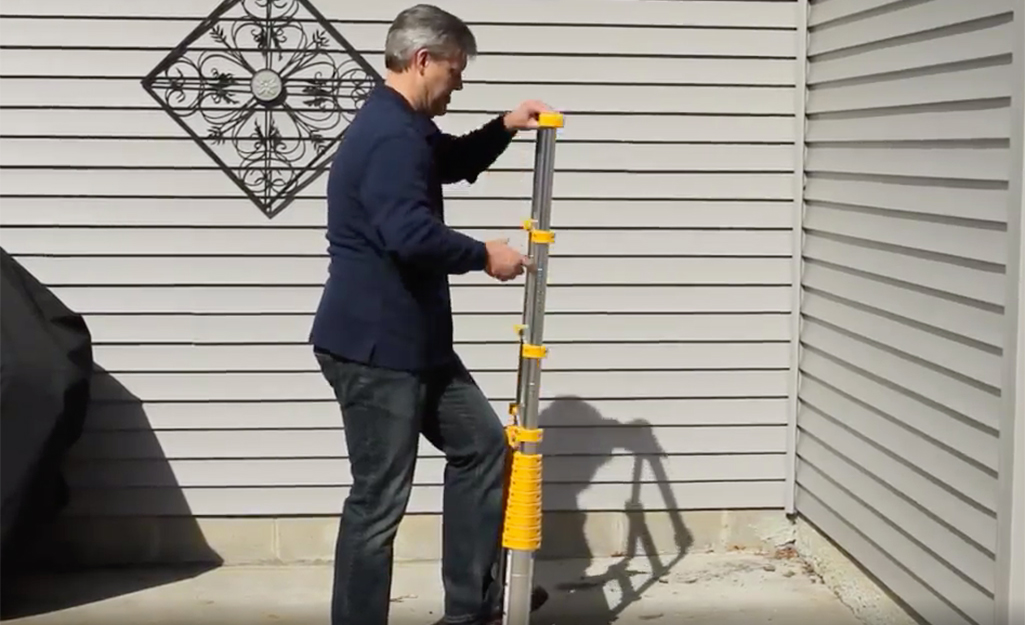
x=466 y=157
x=394 y=190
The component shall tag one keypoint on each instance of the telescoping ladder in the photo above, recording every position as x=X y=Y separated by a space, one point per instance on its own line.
x=521 y=534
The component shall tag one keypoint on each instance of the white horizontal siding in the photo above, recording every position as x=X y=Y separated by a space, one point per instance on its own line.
x=323 y=414
x=124 y=126
x=903 y=293
x=272 y=385
x=249 y=299
x=318 y=443
x=670 y=278
x=571 y=184
x=236 y=501
x=697 y=13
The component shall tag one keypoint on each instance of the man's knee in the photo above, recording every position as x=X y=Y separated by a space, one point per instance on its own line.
x=495 y=439
x=494 y=448
x=374 y=511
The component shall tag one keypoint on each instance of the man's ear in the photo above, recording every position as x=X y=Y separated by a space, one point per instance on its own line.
x=420 y=60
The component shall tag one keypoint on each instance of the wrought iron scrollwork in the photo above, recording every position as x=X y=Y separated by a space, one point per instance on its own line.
x=267 y=89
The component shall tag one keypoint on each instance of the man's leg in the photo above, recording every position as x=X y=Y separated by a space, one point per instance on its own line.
x=460 y=422
x=381 y=411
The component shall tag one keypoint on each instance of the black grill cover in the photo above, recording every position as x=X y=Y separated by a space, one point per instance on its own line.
x=46 y=369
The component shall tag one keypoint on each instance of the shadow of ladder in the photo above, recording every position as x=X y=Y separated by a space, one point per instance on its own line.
x=639 y=535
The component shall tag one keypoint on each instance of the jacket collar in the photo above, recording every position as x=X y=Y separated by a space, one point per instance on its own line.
x=394 y=99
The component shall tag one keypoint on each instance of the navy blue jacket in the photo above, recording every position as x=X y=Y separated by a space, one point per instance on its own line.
x=386 y=301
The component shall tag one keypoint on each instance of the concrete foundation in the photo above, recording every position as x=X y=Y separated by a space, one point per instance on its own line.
x=617 y=540
x=285 y=541
x=867 y=599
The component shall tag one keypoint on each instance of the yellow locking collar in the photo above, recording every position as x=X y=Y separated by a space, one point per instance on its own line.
x=550 y=119
x=538 y=236
x=533 y=351
x=517 y=434
x=542 y=236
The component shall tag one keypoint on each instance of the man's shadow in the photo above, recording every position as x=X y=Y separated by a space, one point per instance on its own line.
x=89 y=485
x=578 y=441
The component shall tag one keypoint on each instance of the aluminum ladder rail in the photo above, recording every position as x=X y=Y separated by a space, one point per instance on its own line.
x=521 y=532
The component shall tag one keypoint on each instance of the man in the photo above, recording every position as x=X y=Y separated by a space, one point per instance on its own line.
x=383 y=330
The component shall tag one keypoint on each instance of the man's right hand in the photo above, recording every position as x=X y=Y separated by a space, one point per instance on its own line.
x=504 y=262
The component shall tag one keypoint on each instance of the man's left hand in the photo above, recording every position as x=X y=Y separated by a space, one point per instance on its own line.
x=525 y=115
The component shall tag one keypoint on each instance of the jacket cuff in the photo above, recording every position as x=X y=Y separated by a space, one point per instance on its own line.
x=479 y=259
x=499 y=128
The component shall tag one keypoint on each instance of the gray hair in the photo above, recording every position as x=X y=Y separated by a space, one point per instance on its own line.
x=425 y=26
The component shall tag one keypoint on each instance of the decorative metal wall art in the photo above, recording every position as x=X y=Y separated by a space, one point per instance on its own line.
x=267 y=89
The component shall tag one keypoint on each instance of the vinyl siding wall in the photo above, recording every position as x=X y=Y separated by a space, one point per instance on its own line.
x=905 y=248
x=671 y=281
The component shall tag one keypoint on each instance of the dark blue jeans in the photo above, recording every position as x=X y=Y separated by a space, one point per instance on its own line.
x=384 y=413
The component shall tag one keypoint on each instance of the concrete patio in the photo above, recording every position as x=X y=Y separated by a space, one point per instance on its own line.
x=724 y=589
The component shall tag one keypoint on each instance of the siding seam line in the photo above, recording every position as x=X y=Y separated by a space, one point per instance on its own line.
x=797 y=259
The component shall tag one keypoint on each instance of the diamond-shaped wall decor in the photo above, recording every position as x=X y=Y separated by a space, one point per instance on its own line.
x=267 y=89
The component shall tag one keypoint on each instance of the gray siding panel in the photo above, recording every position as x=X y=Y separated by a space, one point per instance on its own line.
x=1010 y=575
x=671 y=282
x=903 y=289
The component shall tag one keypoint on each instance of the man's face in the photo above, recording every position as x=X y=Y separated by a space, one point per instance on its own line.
x=440 y=78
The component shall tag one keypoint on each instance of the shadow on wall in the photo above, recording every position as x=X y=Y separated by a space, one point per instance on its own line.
x=116 y=470
x=566 y=566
